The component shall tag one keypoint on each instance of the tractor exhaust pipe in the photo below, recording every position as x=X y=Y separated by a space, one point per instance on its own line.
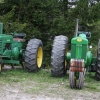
x=76 y=28
x=1 y=28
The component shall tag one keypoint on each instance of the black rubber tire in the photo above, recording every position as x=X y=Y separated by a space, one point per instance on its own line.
x=98 y=63
x=72 y=79
x=60 y=44
x=80 y=80
x=76 y=83
x=31 y=53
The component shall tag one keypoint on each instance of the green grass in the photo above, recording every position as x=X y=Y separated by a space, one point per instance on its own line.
x=36 y=82
x=92 y=83
x=21 y=75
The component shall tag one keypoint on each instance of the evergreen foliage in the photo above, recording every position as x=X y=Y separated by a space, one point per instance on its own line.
x=45 y=19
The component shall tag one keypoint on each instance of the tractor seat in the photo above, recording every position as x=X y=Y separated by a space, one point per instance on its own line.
x=88 y=34
x=19 y=39
x=19 y=35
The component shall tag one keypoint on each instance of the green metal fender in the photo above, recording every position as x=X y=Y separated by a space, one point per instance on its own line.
x=89 y=58
x=68 y=56
x=16 y=52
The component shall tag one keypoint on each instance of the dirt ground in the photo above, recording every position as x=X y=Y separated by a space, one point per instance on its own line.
x=17 y=91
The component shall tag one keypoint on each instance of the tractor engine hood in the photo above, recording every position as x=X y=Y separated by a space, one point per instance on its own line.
x=81 y=39
x=79 y=47
x=6 y=38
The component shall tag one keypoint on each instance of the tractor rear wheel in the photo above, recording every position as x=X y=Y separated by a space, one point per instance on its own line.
x=58 y=62
x=98 y=62
x=33 y=55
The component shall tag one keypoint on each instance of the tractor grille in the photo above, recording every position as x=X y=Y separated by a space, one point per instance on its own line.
x=78 y=52
x=77 y=65
x=0 y=45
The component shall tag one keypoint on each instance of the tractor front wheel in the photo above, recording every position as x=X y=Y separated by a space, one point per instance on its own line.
x=80 y=80
x=74 y=82
x=33 y=55
x=72 y=79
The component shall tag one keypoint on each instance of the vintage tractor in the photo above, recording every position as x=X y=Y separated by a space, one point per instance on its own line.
x=12 y=51
x=75 y=61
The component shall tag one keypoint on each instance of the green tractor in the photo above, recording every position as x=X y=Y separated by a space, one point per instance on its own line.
x=13 y=53
x=75 y=61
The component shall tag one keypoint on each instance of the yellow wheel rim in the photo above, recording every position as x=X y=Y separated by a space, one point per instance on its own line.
x=65 y=59
x=65 y=64
x=39 y=57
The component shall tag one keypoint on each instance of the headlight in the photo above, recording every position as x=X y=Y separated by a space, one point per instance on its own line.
x=79 y=40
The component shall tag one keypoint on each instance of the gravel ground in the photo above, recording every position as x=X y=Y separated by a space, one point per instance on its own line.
x=17 y=91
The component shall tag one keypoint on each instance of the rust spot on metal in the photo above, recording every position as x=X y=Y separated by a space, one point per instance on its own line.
x=77 y=65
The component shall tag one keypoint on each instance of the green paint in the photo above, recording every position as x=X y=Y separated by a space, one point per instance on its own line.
x=4 y=39
x=89 y=58
x=7 y=53
x=1 y=28
x=17 y=44
x=68 y=56
x=15 y=52
x=10 y=49
x=10 y=61
x=79 y=50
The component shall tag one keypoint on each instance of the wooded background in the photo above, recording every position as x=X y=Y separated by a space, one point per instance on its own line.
x=45 y=19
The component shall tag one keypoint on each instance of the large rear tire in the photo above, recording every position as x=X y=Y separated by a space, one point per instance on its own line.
x=59 y=49
x=33 y=55
x=98 y=62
